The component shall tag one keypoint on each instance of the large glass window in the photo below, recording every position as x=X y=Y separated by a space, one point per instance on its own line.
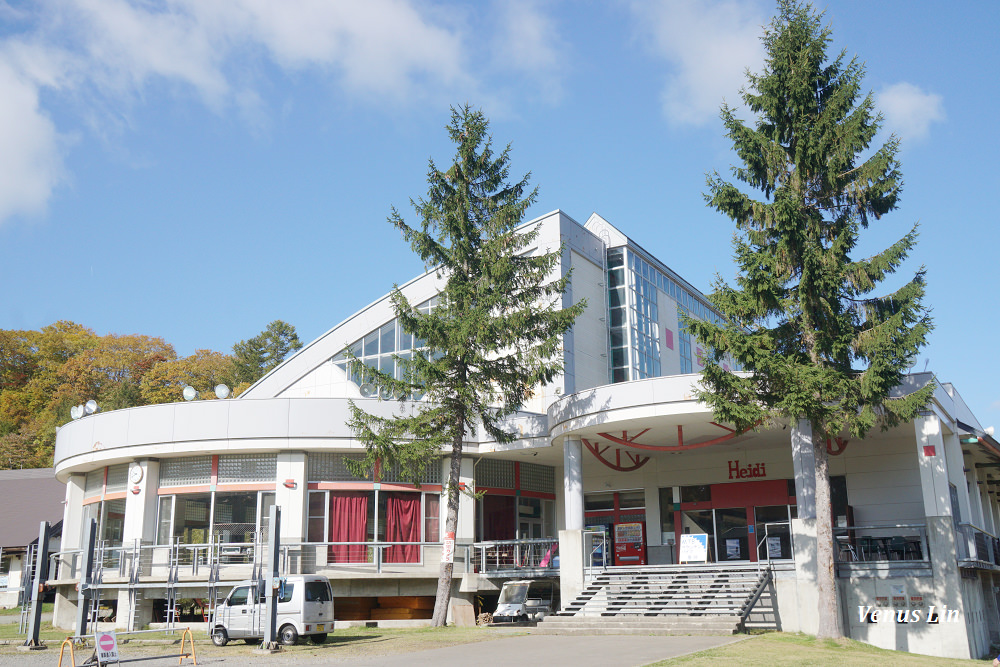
x=349 y=519
x=376 y=349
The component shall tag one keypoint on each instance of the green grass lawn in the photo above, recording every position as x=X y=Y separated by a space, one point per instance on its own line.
x=781 y=649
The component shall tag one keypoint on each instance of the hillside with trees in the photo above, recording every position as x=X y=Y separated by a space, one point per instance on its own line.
x=44 y=373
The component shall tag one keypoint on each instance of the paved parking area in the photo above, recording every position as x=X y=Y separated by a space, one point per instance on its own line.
x=521 y=651
x=525 y=650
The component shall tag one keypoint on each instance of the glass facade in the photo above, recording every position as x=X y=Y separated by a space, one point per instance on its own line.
x=635 y=286
x=379 y=348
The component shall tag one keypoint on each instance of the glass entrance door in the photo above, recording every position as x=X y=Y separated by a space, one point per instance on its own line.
x=731 y=538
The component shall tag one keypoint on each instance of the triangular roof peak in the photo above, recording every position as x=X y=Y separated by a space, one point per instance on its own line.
x=604 y=230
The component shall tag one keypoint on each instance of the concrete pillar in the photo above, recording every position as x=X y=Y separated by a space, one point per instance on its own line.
x=941 y=538
x=933 y=466
x=466 y=530
x=291 y=492
x=955 y=464
x=141 y=502
x=571 y=560
x=573 y=483
x=804 y=465
x=67 y=568
x=141 y=505
x=806 y=593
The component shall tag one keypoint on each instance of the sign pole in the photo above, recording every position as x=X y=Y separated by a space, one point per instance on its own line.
x=84 y=587
x=272 y=582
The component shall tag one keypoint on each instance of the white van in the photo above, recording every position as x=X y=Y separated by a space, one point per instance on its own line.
x=305 y=609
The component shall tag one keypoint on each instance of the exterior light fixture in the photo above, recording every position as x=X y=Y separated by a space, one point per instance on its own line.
x=190 y=393
x=290 y=484
x=221 y=391
x=90 y=407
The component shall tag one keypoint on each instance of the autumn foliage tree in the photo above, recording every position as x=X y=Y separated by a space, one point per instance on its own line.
x=44 y=373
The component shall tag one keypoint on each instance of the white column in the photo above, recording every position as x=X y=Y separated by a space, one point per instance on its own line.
x=933 y=465
x=141 y=502
x=73 y=512
x=955 y=464
x=573 y=482
x=290 y=494
x=804 y=465
x=466 y=530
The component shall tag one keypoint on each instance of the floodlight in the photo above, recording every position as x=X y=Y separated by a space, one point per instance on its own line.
x=221 y=391
x=91 y=407
x=190 y=393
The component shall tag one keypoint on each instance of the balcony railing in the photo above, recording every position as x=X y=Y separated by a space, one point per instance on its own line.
x=898 y=545
x=517 y=556
x=976 y=547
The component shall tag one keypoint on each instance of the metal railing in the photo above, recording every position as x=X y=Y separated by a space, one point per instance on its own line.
x=595 y=553
x=313 y=557
x=515 y=555
x=975 y=544
x=881 y=543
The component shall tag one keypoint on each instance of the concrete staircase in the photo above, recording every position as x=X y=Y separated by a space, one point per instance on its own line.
x=663 y=600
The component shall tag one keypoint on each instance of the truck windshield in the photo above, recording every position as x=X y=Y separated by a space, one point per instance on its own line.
x=514 y=593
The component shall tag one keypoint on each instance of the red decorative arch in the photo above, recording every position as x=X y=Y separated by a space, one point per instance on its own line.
x=841 y=446
x=635 y=461
x=680 y=446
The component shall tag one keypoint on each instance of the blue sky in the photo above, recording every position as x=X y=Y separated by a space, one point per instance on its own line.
x=194 y=169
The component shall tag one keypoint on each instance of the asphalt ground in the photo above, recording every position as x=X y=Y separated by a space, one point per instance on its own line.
x=516 y=651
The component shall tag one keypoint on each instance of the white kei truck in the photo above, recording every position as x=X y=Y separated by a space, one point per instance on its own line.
x=305 y=609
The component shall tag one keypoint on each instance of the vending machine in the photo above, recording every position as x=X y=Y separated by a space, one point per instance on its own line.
x=630 y=547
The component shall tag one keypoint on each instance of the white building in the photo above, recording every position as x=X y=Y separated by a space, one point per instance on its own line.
x=617 y=440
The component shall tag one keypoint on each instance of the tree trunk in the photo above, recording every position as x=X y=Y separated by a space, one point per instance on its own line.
x=826 y=582
x=445 y=578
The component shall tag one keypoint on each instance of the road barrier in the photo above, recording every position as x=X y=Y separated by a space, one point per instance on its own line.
x=185 y=638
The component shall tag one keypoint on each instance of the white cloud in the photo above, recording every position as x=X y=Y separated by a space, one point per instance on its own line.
x=708 y=46
x=31 y=166
x=104 y=54
x=909 y=111
x=527 y=42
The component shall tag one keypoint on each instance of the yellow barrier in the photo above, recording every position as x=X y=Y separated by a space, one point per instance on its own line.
x=187 y=633
x=72 y=655
x=186 y=636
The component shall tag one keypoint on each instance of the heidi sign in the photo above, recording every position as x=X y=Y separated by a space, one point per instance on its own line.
x=746 y=472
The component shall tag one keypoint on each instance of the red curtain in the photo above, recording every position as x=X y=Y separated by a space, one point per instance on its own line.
x=348 y=523
x=402 y=524
x=499 y=517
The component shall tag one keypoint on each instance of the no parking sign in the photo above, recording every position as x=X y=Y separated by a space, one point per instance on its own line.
x=107 y=647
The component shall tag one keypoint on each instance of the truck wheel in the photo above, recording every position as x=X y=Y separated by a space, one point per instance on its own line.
x=289 y=635
x=219 y=637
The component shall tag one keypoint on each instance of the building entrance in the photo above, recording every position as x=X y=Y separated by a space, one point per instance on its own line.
x=744 y=521
x=605 y=510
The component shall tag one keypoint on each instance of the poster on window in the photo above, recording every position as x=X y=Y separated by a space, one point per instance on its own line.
x=774 y=547
x=733 y=549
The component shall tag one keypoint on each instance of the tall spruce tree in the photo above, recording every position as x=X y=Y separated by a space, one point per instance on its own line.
x=809 y=323
x=494 y=334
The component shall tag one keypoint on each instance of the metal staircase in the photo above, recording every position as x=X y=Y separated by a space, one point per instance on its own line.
x=673 y=599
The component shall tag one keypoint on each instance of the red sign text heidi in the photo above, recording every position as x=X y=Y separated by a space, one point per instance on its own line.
x=748 y=471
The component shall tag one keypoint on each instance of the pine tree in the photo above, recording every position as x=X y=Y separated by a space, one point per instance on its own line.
x=805 y=319
x=494 y=334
